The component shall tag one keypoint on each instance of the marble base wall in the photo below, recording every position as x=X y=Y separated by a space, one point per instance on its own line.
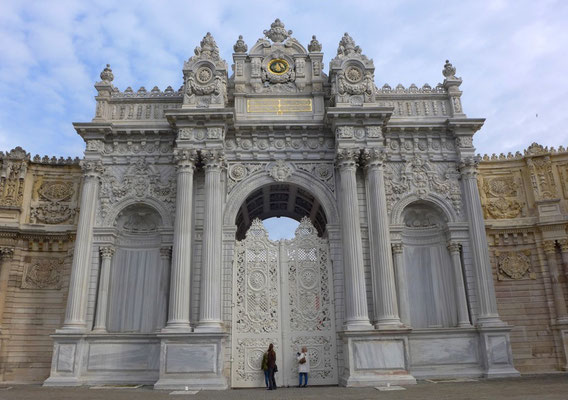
x=103 y=359
x=375 y=358
x=192 y=360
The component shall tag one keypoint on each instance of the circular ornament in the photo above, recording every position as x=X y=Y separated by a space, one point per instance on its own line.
x=204 y=74
x=353 y=74
x=257 y=280
x=278 y=66
x=237 y=172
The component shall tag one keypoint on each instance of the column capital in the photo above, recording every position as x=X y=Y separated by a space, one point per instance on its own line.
x=213 y=159
x=468 y=167
x=549 y=247
x=373 y=158
x=397 y=248
x=166 y=252
x=6 y=253
x=563 y=245
x=453 y=247
x=91 y=168
x=107 y=252
x=185 y=159
x=347 y=158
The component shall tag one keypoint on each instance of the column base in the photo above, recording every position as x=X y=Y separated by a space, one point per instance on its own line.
x=357 y=325
x=496 y=352
x=210 y=326
x=177 y=328
x=376 y=359
x=66 y=362
x=389 y=325
x=194 y=361
x=490 y=322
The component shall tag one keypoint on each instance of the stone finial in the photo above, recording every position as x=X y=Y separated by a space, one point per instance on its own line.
x=314 y=46
x=106 y=74
x=240 y=46
x=207 y=48
x=277 y=33
x=449 y=70
x=347 y=46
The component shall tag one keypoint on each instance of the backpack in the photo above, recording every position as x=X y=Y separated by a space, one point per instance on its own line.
x=264 y=365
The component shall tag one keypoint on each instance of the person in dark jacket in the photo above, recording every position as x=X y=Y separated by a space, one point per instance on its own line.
x=271 y=367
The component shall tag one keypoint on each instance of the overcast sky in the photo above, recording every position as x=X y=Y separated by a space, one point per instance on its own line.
x=512 y=56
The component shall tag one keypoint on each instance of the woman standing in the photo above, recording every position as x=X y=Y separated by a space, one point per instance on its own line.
x=271 y=367
x=303 y=366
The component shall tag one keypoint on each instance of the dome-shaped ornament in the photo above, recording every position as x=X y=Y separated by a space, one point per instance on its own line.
x=107 y=75
x=240 y=46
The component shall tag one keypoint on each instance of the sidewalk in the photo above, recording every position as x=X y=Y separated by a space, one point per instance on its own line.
x=546 y=387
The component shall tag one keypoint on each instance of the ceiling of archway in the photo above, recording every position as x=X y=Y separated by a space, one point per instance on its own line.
x=280 y=200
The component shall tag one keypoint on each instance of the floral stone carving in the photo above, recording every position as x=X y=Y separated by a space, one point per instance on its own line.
x=280 y=171
x=515 y=265
x=44 y=273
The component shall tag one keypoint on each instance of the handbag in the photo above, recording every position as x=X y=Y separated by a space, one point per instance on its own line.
x=275 y=368
x=302 y=360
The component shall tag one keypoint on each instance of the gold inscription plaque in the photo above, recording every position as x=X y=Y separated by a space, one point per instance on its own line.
x=279 y=106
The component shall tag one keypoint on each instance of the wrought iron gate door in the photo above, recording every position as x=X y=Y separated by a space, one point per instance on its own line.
x=282 y=294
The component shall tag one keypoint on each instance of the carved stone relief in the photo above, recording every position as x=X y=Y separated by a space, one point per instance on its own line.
x=514 y=265
x=140 y=180
x=14 y=168
x=54 y=203
x=421 y=177
x=43 y=273
x=542 y=178
x=501 y=198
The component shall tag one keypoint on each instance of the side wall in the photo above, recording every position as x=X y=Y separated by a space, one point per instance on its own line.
x=525 y=204
x=38 y=214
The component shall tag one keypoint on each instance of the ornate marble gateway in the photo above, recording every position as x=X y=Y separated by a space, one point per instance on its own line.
x=174 y=281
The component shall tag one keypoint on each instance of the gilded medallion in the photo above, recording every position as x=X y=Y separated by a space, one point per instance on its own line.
x=278 y=66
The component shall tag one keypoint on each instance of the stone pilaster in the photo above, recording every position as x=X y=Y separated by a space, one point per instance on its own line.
x=564 y=250
x=459 y=285
x=557 y=291
x=210 y=304
x=401 y=283
x=384 y=289
x=6 y=255
x=75 y=314
x=104 y=283
x=488 y=314
x=178 y=312
x=356 y=312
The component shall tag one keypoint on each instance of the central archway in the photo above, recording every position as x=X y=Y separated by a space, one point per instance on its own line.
x=282 y=291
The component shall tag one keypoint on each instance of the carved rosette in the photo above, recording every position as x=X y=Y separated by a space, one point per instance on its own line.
x=515 y=265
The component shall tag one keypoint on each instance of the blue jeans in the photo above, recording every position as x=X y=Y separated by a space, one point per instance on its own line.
x=305 y=375
x=266 y=377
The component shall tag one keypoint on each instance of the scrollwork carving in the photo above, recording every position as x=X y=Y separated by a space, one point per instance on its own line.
x=515 y=265
x=44 y=273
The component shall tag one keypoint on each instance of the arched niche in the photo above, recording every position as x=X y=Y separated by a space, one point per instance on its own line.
x=139 y=278
x=429 y=272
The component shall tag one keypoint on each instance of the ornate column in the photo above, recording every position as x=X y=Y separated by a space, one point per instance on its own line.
x=488 y=314
x=178 y=311
x=557 y=291
x=356 y=312
x=104 y=282
x=384 y=289
x=6 y=254
x=78 y=286
x=564 y=249
x=461 y=300
x=401 y=283
x=210 y=302
x=165 y=259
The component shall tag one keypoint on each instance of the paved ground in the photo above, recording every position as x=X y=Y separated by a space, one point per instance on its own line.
x=549 y=387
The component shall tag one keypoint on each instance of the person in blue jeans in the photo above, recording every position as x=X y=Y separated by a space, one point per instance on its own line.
x=264 y=367
x=303 y=366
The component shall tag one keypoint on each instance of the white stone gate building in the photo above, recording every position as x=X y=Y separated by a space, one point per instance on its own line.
x=174 y=281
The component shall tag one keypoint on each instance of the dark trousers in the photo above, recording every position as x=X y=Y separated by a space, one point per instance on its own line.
x=271 y=380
